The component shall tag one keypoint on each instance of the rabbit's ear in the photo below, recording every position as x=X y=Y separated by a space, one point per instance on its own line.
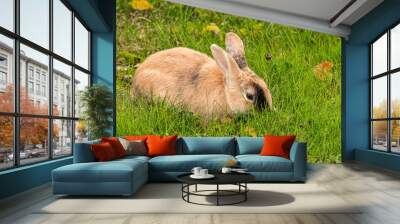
x=234 y=46
x=227 y=64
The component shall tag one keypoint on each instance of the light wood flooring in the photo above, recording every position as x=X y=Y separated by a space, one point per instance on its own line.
x=378 y=189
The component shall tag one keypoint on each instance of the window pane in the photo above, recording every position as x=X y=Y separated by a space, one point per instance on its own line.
x=6 y=142
x=81 y=45
x=35 y=21
x=395 y=138
x=6 y=74
x=395 y=47
x=379 y=135
x=379 y=97
x=33 y=140
x=34 y=72
x=7 y=14
x=62 y=29
x=62 y=138
x=81 y=131
x=379 y=55
x=62 y=89
x=395 y=94
x=81 y=82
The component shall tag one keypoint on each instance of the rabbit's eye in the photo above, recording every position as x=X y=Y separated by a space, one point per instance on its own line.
x=250 y=96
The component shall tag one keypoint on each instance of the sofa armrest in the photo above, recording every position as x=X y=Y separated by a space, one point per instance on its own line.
x=298 y=155
x=83 y=152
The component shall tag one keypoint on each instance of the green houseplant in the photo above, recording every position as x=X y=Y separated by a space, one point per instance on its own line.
x=97 y=103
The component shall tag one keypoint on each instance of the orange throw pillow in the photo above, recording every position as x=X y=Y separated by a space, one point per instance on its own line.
x=116 y=145
x=277 y=145
x=161 y=145
x=103 y=152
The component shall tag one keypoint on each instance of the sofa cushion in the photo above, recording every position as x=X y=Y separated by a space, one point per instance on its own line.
x=206 y=145
x=112 y=171
x=257 y=163
x=277 y=145
x=249 y=145
x=116 y=145
x=103 y=152
x=161 y=145
x=185 y=163
x=134 y=147
x=83 y=153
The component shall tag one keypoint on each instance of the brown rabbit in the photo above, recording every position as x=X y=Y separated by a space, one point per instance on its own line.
x=205 y=86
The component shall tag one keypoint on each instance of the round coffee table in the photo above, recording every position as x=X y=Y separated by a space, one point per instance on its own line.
x=238 y=179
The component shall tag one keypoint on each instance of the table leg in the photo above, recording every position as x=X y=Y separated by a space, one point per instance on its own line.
x=195 y=188
x=245 y=193
x=188 y=190
x=217 y=194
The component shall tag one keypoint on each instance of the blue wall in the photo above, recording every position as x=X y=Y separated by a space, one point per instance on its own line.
x=100 y=17
x=355 y=97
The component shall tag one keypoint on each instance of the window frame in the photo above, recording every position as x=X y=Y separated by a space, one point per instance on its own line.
x=16 y=114
x=388 y=74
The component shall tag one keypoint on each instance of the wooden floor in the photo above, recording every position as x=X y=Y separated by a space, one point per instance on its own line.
x=379 y=189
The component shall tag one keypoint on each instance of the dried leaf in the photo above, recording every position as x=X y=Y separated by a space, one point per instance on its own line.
x=323 y=70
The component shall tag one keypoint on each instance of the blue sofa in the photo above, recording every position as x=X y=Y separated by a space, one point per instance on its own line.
x=125 y=176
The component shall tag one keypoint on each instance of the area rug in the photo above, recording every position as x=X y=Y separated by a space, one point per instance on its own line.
x=166 y=198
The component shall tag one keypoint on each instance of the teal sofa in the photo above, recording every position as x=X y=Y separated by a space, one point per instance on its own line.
x=125 y=176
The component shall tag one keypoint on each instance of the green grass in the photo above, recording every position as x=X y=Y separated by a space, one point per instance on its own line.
x=306 y=106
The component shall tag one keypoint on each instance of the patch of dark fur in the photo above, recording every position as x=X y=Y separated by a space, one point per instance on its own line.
x=240 y=61
x=195 y=78
x=261 y=100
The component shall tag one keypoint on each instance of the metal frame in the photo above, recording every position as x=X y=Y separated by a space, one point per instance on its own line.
x=388 y=74
x=242 y=191
x=16 y=115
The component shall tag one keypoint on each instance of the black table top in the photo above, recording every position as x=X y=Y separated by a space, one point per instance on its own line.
x=220 y=178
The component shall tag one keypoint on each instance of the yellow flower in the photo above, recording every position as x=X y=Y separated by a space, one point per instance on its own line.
x=243 y=31
x=213 y=28
x=250 y=131
x=141 y=5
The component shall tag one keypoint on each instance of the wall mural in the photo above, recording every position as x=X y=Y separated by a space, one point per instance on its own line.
x=193 y=72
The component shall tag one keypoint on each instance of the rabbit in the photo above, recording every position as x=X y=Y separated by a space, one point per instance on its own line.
x=205 y=86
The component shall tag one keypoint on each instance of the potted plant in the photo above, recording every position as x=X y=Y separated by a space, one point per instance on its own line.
x=97 y=104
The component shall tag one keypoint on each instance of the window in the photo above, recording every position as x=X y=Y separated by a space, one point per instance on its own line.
x=81 y=45
x=30 y=87
x=6 y=74
x=62 y=137
x=37 y=75
x=38 y=89
x=3 y=78
x=3 y=71
x=62 y=29
x=35 y=21
x=46 y=74
x=3 y=61
x=44 y=91
x=7 y=14
x=30 y=72
x=385 y=92
x=62 y=74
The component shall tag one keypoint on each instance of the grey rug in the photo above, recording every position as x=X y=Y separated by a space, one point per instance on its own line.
x=166 y=198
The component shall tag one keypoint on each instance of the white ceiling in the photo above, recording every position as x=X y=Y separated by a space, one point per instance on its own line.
x=316 y=15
